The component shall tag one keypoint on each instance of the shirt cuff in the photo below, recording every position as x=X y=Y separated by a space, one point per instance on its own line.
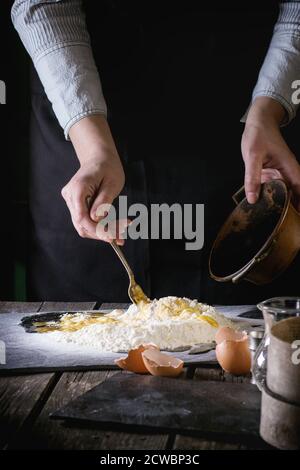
x=71 y=82
x=289 y=115
x=281 y=68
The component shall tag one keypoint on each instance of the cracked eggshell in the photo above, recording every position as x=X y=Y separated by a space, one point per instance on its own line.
x=233 y=354
x=161 y=364
x=229 y=334
x=134 y=361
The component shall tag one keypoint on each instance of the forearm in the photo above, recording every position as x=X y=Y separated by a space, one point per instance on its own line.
x=56 y=37
x=92 y=139
x=267 y=111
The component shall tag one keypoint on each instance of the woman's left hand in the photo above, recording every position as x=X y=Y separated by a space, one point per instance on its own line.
x=265 y=152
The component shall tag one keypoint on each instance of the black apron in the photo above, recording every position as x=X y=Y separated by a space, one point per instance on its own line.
x=177 y=78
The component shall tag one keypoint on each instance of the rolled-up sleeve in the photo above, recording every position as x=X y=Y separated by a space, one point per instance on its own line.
x=55 y=35
x=281 y=68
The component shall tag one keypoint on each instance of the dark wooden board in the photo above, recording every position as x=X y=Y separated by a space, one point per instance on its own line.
x=175 y=405
x=46 y=433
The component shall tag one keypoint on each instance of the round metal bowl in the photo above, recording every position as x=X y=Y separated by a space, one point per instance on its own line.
x=258 y=241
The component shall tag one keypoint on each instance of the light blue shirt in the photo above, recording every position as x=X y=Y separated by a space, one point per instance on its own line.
x=55 y=35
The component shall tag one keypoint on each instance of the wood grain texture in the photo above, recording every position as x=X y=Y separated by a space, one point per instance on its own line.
x=208 y=373
x=196 y=443
x=216 y=373
x=50 y=434
x=19 y=307
x=19 y=397
x=61 y=306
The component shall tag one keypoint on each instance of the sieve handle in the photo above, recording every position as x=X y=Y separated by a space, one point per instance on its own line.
x=239 y=195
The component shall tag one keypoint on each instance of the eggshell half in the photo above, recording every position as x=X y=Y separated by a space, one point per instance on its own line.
x=160 y=364
x=234 y=356
x=134 y=361
x=227 y=333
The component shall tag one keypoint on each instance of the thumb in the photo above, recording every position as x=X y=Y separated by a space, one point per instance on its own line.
x=103 y=201
x=253 y=169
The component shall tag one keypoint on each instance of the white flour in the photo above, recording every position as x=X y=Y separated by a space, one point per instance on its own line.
x=169 y=322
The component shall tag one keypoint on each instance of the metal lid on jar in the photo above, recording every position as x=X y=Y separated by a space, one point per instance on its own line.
x=255 y=337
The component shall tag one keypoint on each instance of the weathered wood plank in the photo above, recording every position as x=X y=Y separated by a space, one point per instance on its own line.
x=130 y=441
x=51 y=434
x=208 y=373
x=197 y=443
x=19 y=307
x=57 y=306
x=192 y=443
x=216 y=373
x=237 y=379
x=19 y=395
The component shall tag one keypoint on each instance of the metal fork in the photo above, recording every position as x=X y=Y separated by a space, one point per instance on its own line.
x=135 y=292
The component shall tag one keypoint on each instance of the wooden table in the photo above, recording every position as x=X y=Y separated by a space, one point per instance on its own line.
x=27 y=400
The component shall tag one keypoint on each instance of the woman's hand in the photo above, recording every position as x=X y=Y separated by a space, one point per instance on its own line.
x=265 y=153
x=99 y=180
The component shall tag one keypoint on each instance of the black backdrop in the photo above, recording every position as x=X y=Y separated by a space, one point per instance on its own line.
x=15 y=115
x=14 y=119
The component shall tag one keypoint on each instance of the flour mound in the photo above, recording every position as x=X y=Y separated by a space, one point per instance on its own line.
x=170 y=323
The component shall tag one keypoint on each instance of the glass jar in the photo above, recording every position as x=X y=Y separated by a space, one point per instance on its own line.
x=274 y=310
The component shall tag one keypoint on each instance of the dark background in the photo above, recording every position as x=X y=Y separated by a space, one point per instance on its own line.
x=14 y=120
x=15 y=117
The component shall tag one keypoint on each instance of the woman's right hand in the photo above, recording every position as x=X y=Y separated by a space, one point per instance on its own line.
x=99 y=180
